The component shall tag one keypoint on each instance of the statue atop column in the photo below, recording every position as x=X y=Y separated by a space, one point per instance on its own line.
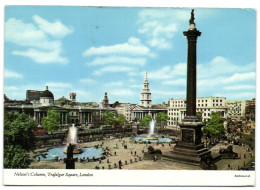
x=192 y=17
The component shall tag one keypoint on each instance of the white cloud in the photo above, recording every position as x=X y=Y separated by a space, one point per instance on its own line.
x=156 y=29
x=132 y=47
x=56 y=29
x=164 y=14
x=169 y=93
x=172 y=14
x=177 y=82
x=238 y=77
x=88 y=81
x=118 y=60
x=160 y=43
x=114 y=84
x=58 y=85
x=29 y=35
x=236 y=80
x=220 y=66
x=135 y=86
x=122 y=92
x=11 y=88
x=168 y=72
x=113 y=69
x=43 y=57
x=160 y=24
x=26 y=34
x=236 y=96
x=11 y=74
x=240 y=87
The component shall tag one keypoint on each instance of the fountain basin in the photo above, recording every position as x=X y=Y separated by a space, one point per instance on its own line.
x=75 y=151
x=146 y=139
x=90 y=152
x=152 y=138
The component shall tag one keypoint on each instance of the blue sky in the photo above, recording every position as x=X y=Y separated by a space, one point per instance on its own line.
x=93 y=50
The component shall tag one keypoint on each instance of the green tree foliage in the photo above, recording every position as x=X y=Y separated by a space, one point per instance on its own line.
x=51 y=121
x=111 y=118
x=120 y=119
x=16 y=157
x=161 y=119
x=215 y=127
x=199 y=115
x=146 y=120
x=20 y=132
x=18 y=140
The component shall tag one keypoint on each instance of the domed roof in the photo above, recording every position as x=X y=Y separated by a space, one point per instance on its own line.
x=46 y=93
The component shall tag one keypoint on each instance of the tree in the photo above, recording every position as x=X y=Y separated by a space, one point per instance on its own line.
x=146 y=120
x=20 y=132
x=199 y=115
x=109 y=117
x=161 y=119
x=16 y=157
x=120 y=119
x=18 y=140
x=215 y=127
x=51 y=121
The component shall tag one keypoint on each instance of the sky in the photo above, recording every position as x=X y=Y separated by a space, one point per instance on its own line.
x=92 y=50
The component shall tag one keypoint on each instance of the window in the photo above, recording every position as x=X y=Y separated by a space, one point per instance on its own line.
x=213 y=100
x=216 y=104
x=202 y=105
x=202 y=100
x=213 y=105
x=220 y=100
x=206 y=100
x=206 y=104
x=204 y=114
x=198 y=104
x=198 y=100
x=216 y=100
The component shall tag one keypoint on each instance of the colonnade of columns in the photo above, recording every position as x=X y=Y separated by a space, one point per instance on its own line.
x=85 y=117
x=38 y=115
x=141 y=115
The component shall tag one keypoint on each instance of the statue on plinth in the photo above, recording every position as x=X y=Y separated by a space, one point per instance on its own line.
x=70 y=161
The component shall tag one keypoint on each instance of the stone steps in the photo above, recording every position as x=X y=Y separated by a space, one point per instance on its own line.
x=182 y=159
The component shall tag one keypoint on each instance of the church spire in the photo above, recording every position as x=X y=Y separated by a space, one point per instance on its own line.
x=146 y=94
x=145 y=76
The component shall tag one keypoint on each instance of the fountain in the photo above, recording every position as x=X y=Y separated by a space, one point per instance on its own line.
x=61 y=152
x=72 y=139
x=152 y=131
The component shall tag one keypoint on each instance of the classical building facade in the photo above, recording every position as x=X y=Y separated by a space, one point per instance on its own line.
x=206 y=105
x=38 y=103
x=125 y=109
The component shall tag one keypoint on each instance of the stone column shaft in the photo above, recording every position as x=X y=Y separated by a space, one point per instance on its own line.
x=191 y=71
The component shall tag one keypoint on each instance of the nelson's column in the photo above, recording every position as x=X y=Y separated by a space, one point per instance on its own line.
x=190 y=149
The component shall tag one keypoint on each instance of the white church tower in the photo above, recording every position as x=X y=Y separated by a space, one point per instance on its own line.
x=146 y=94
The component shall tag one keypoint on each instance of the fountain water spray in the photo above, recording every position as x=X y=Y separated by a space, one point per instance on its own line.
x=72 y=135
x=73 y=139
x=152 y=135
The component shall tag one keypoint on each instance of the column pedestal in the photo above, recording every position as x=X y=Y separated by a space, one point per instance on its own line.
x=189 y=149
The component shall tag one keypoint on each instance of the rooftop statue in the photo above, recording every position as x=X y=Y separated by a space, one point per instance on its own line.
x=192 y=17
